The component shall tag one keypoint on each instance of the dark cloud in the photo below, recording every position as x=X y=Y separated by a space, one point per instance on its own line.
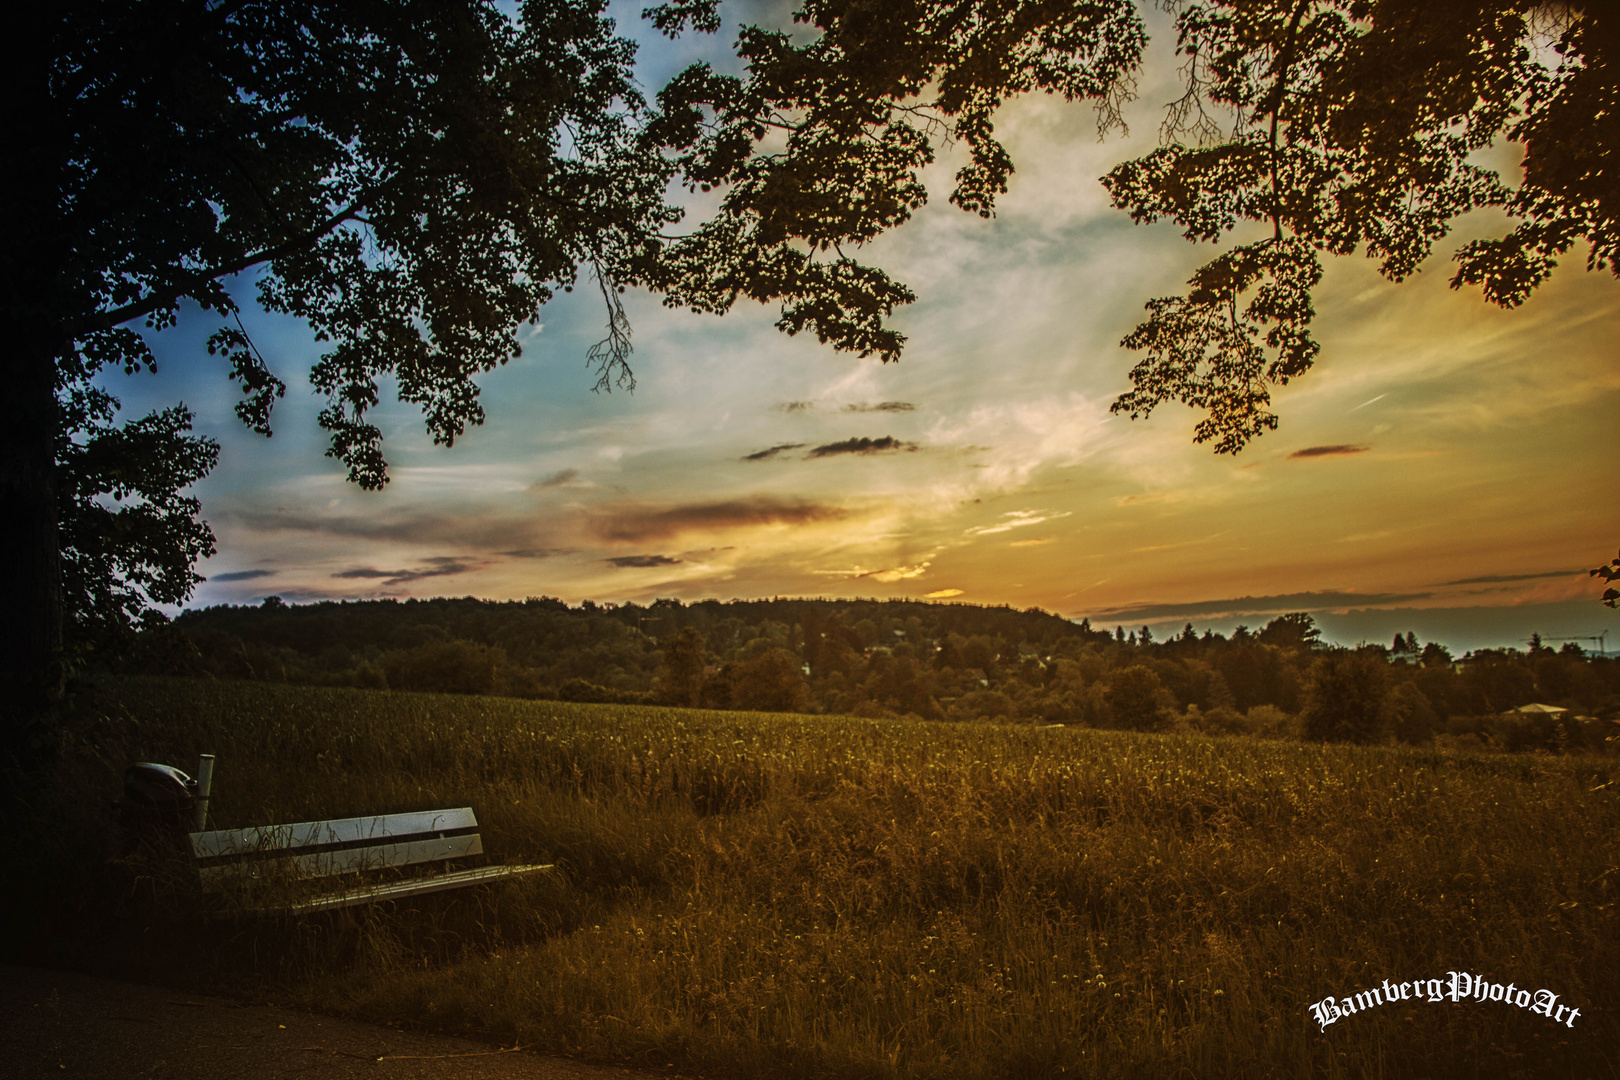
x=639 y=523
x=794 y=406
x=1257 y=605
x=243 y=575
x=533 y=553
x=441 y=566
x=371 y=527
x=763 y=455
x=467 y=530
x=861 y=446
x=1328 y=451
x=882 y=406
x=642 y=560
x=556 y=479
x=1496 y=579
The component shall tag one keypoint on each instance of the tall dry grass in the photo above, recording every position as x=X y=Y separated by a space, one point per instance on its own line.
x=784 y=895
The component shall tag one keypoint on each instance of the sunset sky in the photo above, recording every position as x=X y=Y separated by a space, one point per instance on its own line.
x=1447 y=467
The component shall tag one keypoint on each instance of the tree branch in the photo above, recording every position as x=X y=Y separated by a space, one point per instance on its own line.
x=1279 y=93
x=190 y=281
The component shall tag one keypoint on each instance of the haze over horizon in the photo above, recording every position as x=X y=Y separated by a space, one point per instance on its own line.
x=1441 y=469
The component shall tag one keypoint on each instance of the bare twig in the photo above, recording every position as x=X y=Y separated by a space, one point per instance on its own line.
x=611 y=355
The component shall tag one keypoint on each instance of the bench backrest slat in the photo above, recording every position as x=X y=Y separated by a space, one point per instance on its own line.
x=273 y=838
x=342 y=860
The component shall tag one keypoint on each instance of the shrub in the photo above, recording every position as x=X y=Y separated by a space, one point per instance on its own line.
x=1409 y=715
x=771 y=682
x=1138 y=699
x=589 y=692
x=1344 y=698
x=1217 y=721
x=1270 y=722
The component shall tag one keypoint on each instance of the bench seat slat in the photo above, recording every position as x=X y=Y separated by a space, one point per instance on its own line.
x=226 y=842
x=327 y=863
x=396 y=889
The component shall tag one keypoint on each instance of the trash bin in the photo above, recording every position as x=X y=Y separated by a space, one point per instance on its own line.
x=158 y=797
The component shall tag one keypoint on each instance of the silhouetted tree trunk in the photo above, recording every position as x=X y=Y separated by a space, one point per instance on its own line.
x=30 y=275
x=30 y=563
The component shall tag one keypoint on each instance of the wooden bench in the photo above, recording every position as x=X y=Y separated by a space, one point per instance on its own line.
x=273 y=862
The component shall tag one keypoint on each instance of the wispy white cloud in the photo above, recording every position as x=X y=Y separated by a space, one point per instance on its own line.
x=1018 y=520
x=1016 y=440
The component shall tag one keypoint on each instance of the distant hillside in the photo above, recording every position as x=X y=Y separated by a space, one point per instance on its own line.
x=902 y=657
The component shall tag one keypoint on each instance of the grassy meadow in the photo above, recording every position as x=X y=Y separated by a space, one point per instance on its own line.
x=752 y=894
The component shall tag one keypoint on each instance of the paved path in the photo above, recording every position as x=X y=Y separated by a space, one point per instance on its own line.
x=58 y=1024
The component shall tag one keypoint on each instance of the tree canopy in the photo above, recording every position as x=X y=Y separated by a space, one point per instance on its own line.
x=820 y=145
x=1307 y=128
x=414 y=180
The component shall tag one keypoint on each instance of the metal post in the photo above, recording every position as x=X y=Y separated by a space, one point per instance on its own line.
x=205 y=784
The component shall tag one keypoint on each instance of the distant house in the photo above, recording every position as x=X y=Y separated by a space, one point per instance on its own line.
x=1553 y=711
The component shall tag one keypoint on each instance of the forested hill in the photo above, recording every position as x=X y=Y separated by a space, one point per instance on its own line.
x=899 y=657
x=539 y=645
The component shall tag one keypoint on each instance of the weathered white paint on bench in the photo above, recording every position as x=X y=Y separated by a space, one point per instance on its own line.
x=325 y=864
x=234 y=860
x=337 y=831
x=394 y=890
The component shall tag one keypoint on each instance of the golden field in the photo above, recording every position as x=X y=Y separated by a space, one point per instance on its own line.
x=754 y=894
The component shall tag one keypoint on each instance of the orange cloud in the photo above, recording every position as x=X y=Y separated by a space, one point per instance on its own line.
x=633 y=523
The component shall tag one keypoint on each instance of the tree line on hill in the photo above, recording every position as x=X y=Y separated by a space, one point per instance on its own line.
x=904 y=658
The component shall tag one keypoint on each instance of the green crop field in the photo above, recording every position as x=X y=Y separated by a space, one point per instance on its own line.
x=749 y=894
